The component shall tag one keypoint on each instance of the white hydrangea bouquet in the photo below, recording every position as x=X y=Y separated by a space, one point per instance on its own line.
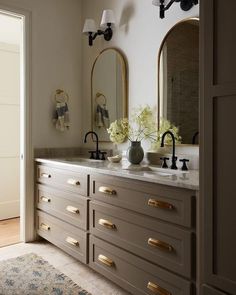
x=141 y=126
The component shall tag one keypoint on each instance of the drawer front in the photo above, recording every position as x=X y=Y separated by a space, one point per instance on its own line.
x=132 y=273
x=67 y=237
x=158 y=242
x=210 y=291
x=69 y=207
x=65 y=179
x=167 y=203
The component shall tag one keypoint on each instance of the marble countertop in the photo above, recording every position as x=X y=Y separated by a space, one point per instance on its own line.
x=148 y=173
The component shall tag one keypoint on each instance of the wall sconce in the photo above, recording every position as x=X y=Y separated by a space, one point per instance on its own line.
x=184 y=5
x=107 y=22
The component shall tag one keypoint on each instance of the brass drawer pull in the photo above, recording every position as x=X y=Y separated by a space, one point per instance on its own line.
x=157 y=289
x=74 y=182
x=72 y=209
x=45 y=226
x=45 y=175
x=72 y=241
x=45 y=199
x=106 y=190
x=160 y=204
x=106 y=223
x=107 y=261
x=161 y=245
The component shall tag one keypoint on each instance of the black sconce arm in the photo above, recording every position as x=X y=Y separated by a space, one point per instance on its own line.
x=184 y=4
x=108 y=33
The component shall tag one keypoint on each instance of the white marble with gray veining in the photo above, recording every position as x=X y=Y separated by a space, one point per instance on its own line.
x=153 y=174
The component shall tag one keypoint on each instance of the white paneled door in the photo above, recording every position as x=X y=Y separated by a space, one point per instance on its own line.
x=10 y=123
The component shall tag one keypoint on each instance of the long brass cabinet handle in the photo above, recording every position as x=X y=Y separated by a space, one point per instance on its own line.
x=72 y=241
x=72 y=181
x=45 y=199
x=105 y=260
x=156 y=289
x=72 y=209
x=160 y=204
x=106 y=223
x=45 y=226
x=161 y=245
x=45 y=175
x=106 y=190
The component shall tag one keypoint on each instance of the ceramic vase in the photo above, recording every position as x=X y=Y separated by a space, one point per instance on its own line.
x=135 y=153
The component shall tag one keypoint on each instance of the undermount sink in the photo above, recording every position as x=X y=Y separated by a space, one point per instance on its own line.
x=154 y=170
x=166 y=172
x=82 y=160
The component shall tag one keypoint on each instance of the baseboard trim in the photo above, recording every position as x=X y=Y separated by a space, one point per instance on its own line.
x=9 y=209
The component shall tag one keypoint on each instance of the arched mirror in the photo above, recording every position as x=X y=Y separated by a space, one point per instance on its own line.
x=109 y=91
x=178 y=79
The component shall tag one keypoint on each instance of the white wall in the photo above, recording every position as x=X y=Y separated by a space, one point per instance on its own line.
x=56 y=63
x=139 y=33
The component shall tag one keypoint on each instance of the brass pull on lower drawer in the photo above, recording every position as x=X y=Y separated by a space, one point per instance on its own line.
x=106 y=223
x=161 y=245
x=72 y=241
x=45 y=175
x=157 y=289
x=73 y=182
x=45 y=199
x=160 y=204
x=45 y=226
x=72 y=209
x=107 y=261
x=106 y=190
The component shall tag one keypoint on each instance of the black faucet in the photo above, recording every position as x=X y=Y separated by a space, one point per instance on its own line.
x=174 y=158
x=194 y=137
x=97 y=150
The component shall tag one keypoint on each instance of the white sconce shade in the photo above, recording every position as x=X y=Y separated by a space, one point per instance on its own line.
x=89 y=26
x=107 y=17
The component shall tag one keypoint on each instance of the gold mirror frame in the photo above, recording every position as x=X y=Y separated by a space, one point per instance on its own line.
x=158 y=71
x=123 y=61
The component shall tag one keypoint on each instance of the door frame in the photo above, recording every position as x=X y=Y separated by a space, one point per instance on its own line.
x=27 y=232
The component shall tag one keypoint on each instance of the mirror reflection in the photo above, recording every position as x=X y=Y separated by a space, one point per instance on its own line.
x=178 y=65
x=109 y=91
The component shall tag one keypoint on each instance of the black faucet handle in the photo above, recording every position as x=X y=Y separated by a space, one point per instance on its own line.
x=164 y=164
x=92 y=154
x=173 y=165
x=103 y=155
x=184 y=167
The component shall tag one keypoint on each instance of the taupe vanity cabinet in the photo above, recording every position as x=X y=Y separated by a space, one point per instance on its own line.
x=218 y=146
x=62 y=209
x=146 y=233
x=141 y=235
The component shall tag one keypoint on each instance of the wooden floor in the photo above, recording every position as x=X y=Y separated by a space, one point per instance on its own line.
x=9 y=232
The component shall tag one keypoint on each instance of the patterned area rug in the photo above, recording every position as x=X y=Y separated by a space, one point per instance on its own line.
x=30 y=274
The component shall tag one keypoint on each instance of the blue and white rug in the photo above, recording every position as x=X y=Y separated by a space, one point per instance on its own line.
x=30 y=275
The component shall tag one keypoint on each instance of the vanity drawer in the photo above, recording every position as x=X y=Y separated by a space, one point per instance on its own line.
x=69 y=207
x=153 y=240
x=171 y=204
x=67 y=237
x=133 y=273
x=64 y=179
